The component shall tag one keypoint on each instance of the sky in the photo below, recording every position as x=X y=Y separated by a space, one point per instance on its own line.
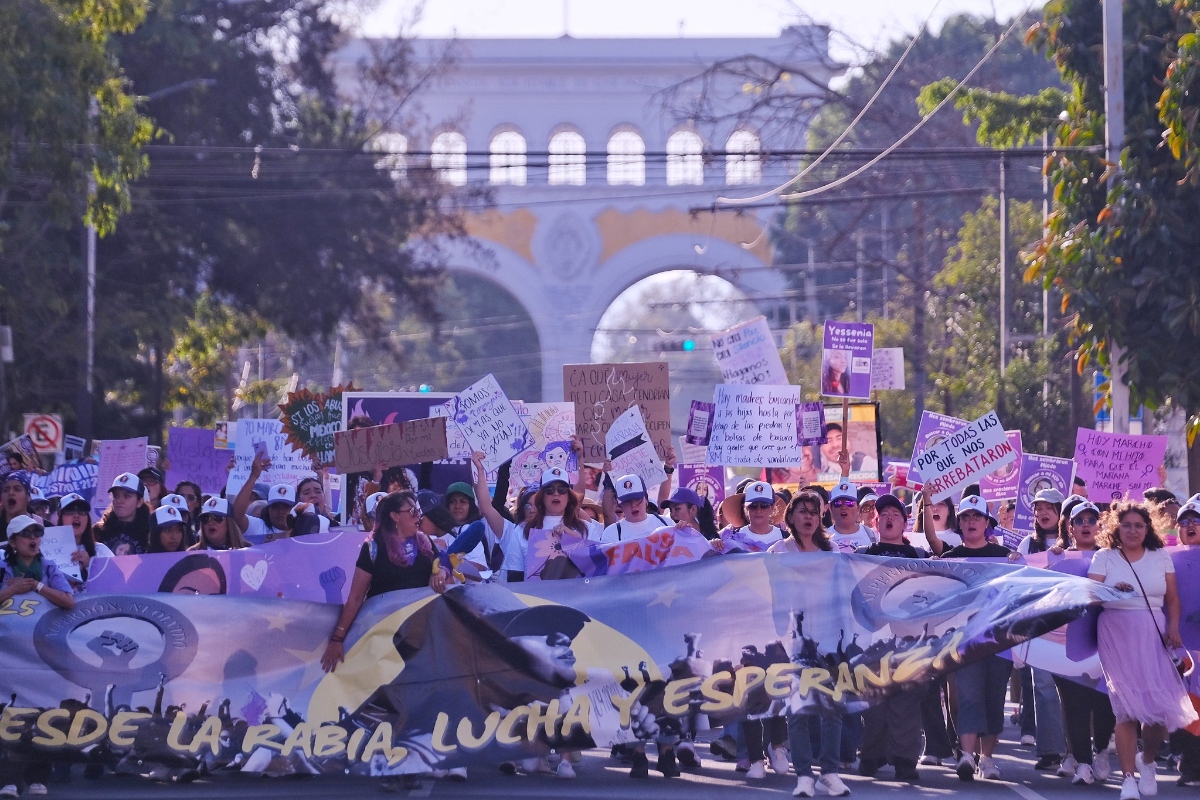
x=863 y=23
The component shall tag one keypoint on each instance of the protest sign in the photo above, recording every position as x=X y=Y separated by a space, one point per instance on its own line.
x=288 y=465
x=458 y=450
x=552 y=426
x=1039 y=472
x=692 y=453
x=631 y=451
x=810 y=423
x=706 y=480
x=932 y=431
x=747 y=354
x=1003 y=483
x=666 y=547
x=117 y=456
x=310 y=420
x=194 y=456
x=699 y=426
x=603 y=392
x=58 y=544
x=755 y=426
x=846 y=359
x=20 y=449
x=225 y=434
x=74 y=447
x=982 y=447
x=489 y=423
x=77 y=477
x=1118 y=466
x=887 y=368
x=398 y=444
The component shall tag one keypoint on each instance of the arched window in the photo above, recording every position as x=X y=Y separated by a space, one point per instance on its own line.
x=743 y=164
x=449 y=157
x=568 y=159
x=392 y=148
x=626 y=159
x=685 y=164
x=507 y=159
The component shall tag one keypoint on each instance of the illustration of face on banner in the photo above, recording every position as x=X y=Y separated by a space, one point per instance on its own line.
x=552 y=426
x=846 y=359
x=1040 y=472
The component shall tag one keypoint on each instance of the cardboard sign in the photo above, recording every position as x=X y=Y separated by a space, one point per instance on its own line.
x=810 y=423
x=117 y=456
x=1118 y=466
x=57 y=546
x=978 y=449
x=266 y=436
x=1039 y=472
x=1003 y=484
x=846 y=359
x=489 y=423
x=887 y=368
x=603 y=392
x=194 y=456
x=933 y=430
x=699 y=426
x=706 y=480
x=747 y=354
x=398 y=444
x=630 y=449
x=755 y=426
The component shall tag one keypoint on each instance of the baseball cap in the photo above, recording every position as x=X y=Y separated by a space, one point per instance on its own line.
x=891 y=501
x=1192 y=506
x=129 y=482
x=685 y=495
x=1085 y=506
x=630 y=487
x=71 y=499
x=151 y=472
x=1051 y=495
x=845 y=489
x=168 y=515
x=36 y=495
x=759 y=492
x=461 y=487
x=555 y=474
x=21 y=523
x=177 y=501
x=282 y=493
x=261 y=491
x=218 y=506
x=372 y=501
x=977 y=504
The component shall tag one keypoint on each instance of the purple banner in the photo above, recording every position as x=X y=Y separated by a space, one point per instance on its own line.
x=934 y=429
x=706 y=480
x=1039 y=472
x=316 y=568
x=1002 y=484
x=192 y=455
x=846 y=359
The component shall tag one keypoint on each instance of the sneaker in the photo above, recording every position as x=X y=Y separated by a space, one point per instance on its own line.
x=805 y=787
x=533 y=766
x=757 y=771
x=564 y=769
x=1048 y=762
x=666 y=764
x=640 y=768
x=457 y=774
x=930 y=761
x=1101 y=766
x=1129 y=789
x=966 y=767
x=725 y=747
x=906 y=770
x=38 y=789
x=1147 y=777
x=686 y=755
x=11 y=791
x=1184 y=780
x=778 y=756
x=832 y=785
x=1083 y=775
x=1028 y=740
x=1067 y=768
x=743 y=765
x=988 y=768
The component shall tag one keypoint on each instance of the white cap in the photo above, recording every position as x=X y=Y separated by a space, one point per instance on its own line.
x=282 y=493
x=127 y=481
x=1192 y=506
x=177 y=501
x=759 y=492
x=36 y=495
x=215 y=505
x=1051 y=495
x=22 y=522
x=630 y=487
x=372 y=501
x=977 y=504
x=1079 y=508
x=168 y=515
x=844 y=489
x=71 y=499
x=555 y=474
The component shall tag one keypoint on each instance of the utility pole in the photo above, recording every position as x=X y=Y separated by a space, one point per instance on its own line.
x=1047 y=349
x=884 y=255
x=1114 y=142
x=858 y=273
x=1003 y=268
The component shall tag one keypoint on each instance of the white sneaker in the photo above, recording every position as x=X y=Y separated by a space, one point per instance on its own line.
x=565 y=770
x=757 y=771
x=832 y=785
x=1083 y=775
x=1147 y=777
x=1028 y=740
x=988 y=768
x=778 y=756
x=1101 y=766
x=38 y=789
x=1066 y=767
x=11 y=790
x=930 y=761
x=457 y=774
x=966 y=767
x=1129 y=789
x=805 y=787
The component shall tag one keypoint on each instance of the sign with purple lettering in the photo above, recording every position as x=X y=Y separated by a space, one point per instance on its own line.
x=934 y=429
x=846 y=359
x=706 y=480
x=1037 y=473
x=487 y=420
x=194 y=456
x=1118 y=466
x=1002 y=484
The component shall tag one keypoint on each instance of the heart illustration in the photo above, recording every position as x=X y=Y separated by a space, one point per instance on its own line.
x=254 y=576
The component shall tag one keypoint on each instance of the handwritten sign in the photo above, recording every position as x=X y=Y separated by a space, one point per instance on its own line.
x=747 y=354
x=1118 y=466
x=1004 y=483
x=194 y=456
x=933 y=430
x=630 y=449
x=978 y=449
x=117 y=456
x=398 y=444
x=1039 y=472
x=57 y=546
x=887 y=368
x=846 y=359
x=310 y=420
x=699 y=426
x=755 y=426
x=603 y=392
x=810 y=423
x=489 y=423
x=288 y=465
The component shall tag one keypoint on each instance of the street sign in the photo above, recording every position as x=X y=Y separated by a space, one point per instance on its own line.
x=46 y=432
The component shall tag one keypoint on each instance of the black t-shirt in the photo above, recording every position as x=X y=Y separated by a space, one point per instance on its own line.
x=989 y=550
x=902 y=550
x=389 y=577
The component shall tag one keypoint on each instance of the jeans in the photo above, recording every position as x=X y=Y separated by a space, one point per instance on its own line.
x=1089 y=717
x=800 y=737
x=981 y=686
x=1049 y=715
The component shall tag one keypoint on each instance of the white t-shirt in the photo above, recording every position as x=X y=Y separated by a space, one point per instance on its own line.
x=787 y=545
x=762 y=540
x=515 y=545
x=849 y=542
x=633 y=530
x=259 y=532
x=949 y=537
x=1152 y=568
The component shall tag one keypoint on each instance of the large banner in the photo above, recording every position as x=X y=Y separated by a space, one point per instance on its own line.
x=488 y=672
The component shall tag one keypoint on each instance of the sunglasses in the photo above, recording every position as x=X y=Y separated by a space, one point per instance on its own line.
x=556 y=488
x=414 y=510
x=1085 y=519
x=31 y=533
x=207 y=518
x=844 y=503
x=1190 y=522
x=758 y=506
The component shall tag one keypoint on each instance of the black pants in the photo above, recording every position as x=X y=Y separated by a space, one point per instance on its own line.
x=1088 y=718
x=1188 y=747
x=892 y=729
x=938 y=741
x=20 y=768
x=773 y=730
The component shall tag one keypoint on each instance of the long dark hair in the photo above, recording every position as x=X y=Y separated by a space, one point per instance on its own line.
x=1111 y=535
x=570 y=517
x=1064 y=523
x=951 y=520
x=189 y=564
x=88 y=539
x=813 y=501
x=386 y=534
x=156 y=545
x=1042 y=535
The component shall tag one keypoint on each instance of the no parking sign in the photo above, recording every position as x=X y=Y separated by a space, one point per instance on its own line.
x=46 y=432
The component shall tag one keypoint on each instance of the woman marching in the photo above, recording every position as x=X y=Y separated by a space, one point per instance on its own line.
x=1137 y=635
x=76 y=511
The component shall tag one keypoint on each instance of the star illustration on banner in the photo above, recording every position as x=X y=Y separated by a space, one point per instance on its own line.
x=313 y=671
x=745 y=579
x=278 y=622
x=666 y=597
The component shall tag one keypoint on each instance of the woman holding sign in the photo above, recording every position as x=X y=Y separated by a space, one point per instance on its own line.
x=75 y=511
